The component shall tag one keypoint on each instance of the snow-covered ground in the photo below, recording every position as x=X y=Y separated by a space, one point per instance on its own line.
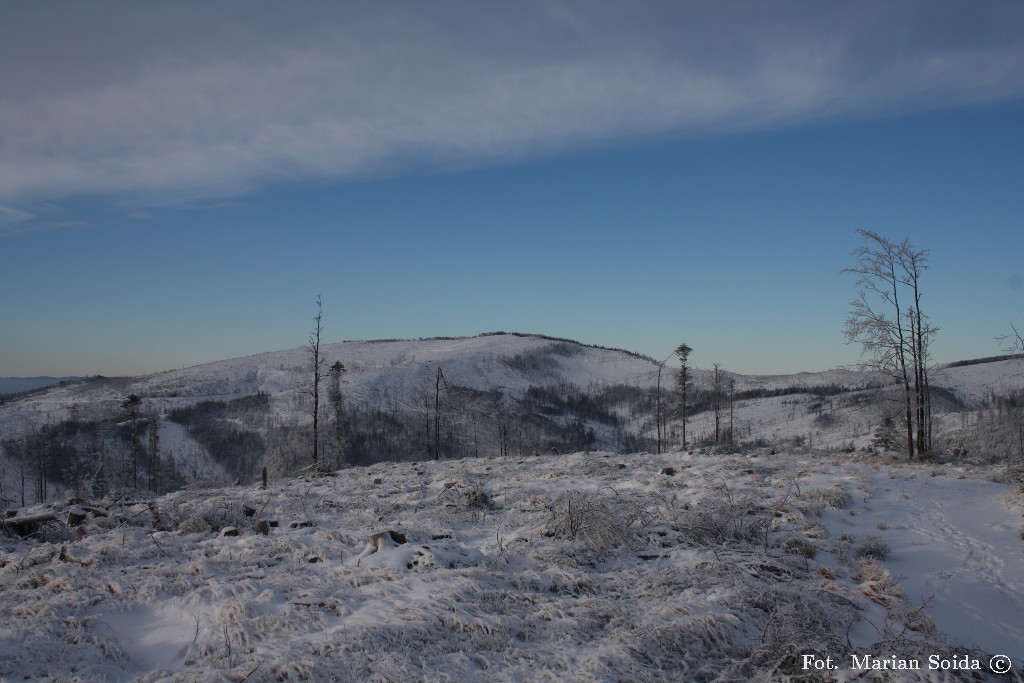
x=587 y=567
x=977 y=382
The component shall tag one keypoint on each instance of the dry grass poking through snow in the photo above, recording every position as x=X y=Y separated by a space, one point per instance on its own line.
x=542 y=569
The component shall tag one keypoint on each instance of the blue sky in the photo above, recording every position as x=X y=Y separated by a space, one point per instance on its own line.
x=178 y=183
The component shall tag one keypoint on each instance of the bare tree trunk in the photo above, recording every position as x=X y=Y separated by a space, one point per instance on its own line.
x=338 y=410
x=901 y=355
x=716 y=402
x=39 y=454
x=318 y=363
x=154 y=453
x=914 y=262
x=657 y=414
x=437 y=414
x=132 y=404
x=732 y=402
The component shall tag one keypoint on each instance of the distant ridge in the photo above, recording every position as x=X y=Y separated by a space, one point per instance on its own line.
x=525 y=335
x=16 y=385
x=982 y=361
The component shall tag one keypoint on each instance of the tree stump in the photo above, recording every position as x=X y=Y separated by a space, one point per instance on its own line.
x=76 y=516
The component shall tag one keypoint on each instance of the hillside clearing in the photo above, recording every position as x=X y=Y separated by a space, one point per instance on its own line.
x=583 y=567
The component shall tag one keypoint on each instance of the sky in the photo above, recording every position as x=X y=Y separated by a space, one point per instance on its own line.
x=179 y=181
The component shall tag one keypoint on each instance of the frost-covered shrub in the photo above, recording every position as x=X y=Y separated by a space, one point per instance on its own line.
x=817 y=500
x=201 y=516
x=801 y=547
x=681 y=641
x=726 y=518
x=467 y=496
x=873 y=548
x=800 y=623
x=584 y=516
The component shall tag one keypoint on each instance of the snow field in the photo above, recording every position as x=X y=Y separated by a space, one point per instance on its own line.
x=573 y=568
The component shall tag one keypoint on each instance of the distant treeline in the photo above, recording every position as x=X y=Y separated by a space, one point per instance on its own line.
x=980 y=361
x=831 y=389
x=84 y=458
x=524 y=335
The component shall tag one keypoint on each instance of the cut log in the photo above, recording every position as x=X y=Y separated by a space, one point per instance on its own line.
x=31 y=519
x=28 y=524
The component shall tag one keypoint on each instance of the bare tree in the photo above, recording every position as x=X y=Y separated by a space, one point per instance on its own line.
x=716 y=399
x=39 y=455
x=913 y=262
x=16 y=454
x=1012 y=343
x=154 y=452
x=659 y=416
x=317 y=361
x=132 y=405
x=683 y=352
x=887 y=321
x=438 y=381
x=337 y=410
x=730 y=387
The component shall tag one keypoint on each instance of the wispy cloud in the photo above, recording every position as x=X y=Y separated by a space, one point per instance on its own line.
x=186 y=102
x=9 y=216
x=34 y=226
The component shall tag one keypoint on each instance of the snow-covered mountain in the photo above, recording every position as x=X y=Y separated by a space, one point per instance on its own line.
x=510 y=363
x=493 y=393
x=15 y=385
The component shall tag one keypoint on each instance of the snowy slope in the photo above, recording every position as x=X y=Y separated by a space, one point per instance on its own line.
x=974 y=383
x=13 y=385
x=474 y=362
x=400 y=376
x=576 y=568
